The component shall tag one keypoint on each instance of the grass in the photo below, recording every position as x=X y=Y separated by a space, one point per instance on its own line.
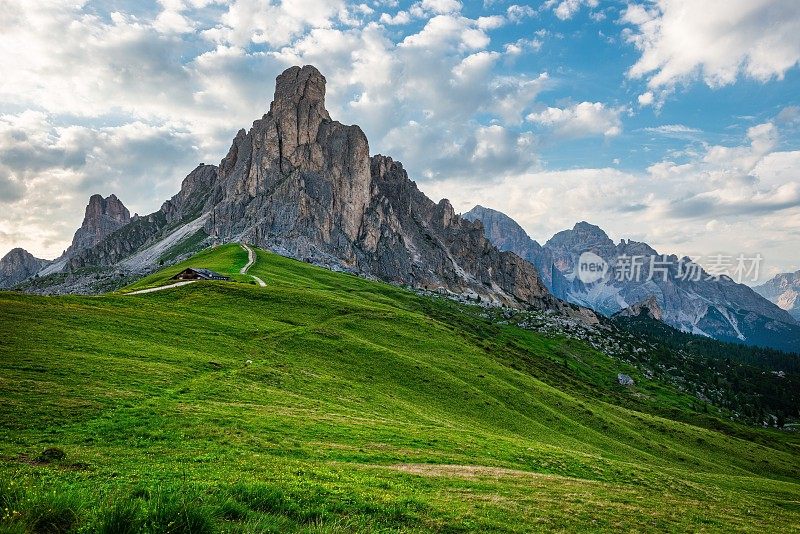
x=328 y=403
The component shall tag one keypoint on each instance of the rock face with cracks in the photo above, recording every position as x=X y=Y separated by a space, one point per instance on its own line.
x=103 y=217
x=302 y=183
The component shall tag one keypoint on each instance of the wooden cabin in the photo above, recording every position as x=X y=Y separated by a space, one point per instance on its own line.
x=199 y=274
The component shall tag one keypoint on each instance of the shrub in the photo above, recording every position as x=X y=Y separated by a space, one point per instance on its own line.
x=52 y=454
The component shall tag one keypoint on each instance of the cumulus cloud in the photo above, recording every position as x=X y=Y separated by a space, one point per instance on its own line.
x=581 y=120
x=275 y=24
x=520 y=46
x=191 y=72
x=48 y=168
x=566 y=9
x=417 y=99
x=483 y=154
x=741 y=180
x=716 y=41
x=399 y=18
x=517 y=13
x=441 y=6
x=743 y=198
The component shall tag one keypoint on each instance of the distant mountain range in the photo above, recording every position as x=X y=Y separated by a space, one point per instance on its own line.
x=687 y=297
x=784 y=291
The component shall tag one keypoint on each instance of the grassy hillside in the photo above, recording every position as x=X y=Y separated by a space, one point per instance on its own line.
x=327 y=403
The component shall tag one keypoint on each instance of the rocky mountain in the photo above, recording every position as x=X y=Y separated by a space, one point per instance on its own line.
x=103 y=217
x=139 y=245
x=784 y=291
x=18 y=265
x=507 y=235
x=631 y=272
x=304 y=185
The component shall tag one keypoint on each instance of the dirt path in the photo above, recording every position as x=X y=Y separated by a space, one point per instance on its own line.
x=251 y=259
x=161 y=288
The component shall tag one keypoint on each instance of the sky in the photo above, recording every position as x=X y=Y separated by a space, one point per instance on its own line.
x=674 y=122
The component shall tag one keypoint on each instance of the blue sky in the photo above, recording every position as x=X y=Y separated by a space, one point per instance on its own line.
x=674 y=122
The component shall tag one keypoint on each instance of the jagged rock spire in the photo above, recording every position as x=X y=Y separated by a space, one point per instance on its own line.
x=103 y=216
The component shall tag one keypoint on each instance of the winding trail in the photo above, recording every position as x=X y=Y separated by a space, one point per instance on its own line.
x=251 y=259
x=161 y=288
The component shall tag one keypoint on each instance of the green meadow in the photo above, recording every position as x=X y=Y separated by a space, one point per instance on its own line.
x=329 y=403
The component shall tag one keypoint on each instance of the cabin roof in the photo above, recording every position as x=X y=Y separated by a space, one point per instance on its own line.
x=203 y=273
x=207 y=272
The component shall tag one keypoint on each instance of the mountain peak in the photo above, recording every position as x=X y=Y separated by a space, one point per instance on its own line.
x=502 y=230
x=584 y=227
x=784 y=291
x=18 y=265
x=583 y=236
x=300 y=90
x=103 y=216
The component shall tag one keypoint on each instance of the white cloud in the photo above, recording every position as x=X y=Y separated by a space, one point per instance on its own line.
x=512 y=95
x=417 y=100
x=676 y=131
x=789 y=116
x=646 y=99
x=444 y=31
x=437 y=7
x=581 y=120
x=521 y=45
x=737 y=199
x=491 y=22
x=517 y=13
x=566 y=9
x=261 y=21
x=55 y=168
x=714 y=40
x=398 y=19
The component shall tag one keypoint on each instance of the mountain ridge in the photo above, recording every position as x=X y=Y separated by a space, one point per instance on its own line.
x=784 y=291
x=304 y=185
x=715 y=307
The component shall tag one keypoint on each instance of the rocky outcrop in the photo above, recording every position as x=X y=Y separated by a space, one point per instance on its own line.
x=297 y=180
x=305 y=185
x=784 y=291
x=407 y=238
x=624 y=380
x=647 y=308
x=103 y=217
x=712 y=306
x=17 y=266
x=186 y=206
